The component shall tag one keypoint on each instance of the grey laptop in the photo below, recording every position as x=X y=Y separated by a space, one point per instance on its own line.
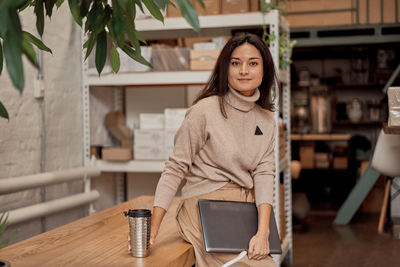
x=228 y=226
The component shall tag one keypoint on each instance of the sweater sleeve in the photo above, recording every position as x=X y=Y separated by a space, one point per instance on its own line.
x=264 y=174
x=188 y=141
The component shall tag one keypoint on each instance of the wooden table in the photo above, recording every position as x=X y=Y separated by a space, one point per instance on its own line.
x=101 y=240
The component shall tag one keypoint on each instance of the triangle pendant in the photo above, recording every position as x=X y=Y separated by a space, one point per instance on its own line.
x=258 y=131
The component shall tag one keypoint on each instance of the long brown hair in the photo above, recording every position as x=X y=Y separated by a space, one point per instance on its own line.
x=218 y=82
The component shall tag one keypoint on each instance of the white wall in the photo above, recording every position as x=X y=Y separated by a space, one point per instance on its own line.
x=20 y=137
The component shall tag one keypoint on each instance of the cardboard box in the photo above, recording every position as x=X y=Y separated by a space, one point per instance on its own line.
x=203 y=59
x=151 y=121
x=149 y=137
x=255 y=5
x=173 y=11
x=149 y=152
x=116 y=153
x=190 y=41
x=212 y=7
x=234 y=6
x=307 y=156
x=174 y=118
x=321 y=160
x=339 y=162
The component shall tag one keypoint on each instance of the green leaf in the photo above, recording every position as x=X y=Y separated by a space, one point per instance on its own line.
x=11 y=3
x=90 y=44
x=3 y=221
x=265 y=7
x=1 y=58
x=135 y=55
x=204 y=6
x=25 y=5
x=75 y=11
x=130 y=29
x=49 y=4
x=139 y=3
x=37 y=42
x=161 y=4
x=3 y=21
x=39 y=16
x=189 y=13
x=154 y=10
x=59 y=3
x=3 y=112
x=96 y=18
x=12 y=48
x=118 y=20
x=84 y=8
x=171 y=3
x=101 y=51
x=114 y=58
x=30 y=53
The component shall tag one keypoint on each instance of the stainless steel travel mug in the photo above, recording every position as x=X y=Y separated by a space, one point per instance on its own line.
x=139 y=231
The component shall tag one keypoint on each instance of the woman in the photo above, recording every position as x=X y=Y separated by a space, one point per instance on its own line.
x=225 y=149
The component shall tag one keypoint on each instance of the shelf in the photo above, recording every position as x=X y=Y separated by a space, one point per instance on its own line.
x=320 y=137
x=355 y=124
x=145 y=166
x=158 y=78
x=149 y=166
x=150 y=78
x=211 y=21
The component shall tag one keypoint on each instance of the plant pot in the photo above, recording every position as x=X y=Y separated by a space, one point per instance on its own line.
x=4 y=263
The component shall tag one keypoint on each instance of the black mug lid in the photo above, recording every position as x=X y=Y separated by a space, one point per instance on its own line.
x=138 y=213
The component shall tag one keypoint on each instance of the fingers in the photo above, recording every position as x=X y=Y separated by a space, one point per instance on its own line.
x=257 y=250
x=129 y=244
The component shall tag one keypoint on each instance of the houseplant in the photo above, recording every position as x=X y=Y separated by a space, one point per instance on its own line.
x=100 y=19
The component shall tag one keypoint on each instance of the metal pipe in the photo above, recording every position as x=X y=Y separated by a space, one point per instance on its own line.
x=50 y=207
x=15 y=184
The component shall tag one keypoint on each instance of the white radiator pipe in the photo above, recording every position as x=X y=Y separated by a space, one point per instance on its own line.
x=15 y=184
x=50 y=207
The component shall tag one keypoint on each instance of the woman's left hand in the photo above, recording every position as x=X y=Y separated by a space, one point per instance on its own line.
x=258 y=247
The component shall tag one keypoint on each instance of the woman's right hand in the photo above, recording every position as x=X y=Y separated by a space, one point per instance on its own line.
x=156 y=219
x=153 y=233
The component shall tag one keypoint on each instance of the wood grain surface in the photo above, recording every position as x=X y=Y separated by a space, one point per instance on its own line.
x=101 y=240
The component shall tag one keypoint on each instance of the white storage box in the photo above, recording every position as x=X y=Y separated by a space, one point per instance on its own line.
x=127 y=64
x=149 y=153
x=168 y=151
x=174 y=117
x=169 y=136
x=148 y=137
x=151 y=121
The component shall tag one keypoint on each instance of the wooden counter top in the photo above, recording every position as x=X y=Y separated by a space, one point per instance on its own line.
x=101 y=240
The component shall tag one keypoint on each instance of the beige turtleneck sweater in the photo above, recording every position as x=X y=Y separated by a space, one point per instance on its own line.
x=211 y=150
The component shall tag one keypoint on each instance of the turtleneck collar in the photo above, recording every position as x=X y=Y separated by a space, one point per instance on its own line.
x=241 y=102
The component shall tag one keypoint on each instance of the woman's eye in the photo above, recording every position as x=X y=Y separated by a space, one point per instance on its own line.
x=253 y=63
x=235 y=63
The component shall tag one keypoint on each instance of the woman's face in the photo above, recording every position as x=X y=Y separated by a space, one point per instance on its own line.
x=245 y=69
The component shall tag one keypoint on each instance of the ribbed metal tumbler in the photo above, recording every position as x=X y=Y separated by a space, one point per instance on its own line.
x=139 y=231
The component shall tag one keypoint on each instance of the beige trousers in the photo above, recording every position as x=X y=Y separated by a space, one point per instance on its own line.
x=189 y=226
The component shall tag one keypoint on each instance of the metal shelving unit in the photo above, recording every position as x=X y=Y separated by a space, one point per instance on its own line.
x=177 y=27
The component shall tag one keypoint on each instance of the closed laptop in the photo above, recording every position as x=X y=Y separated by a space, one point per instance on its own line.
x=228 y=226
